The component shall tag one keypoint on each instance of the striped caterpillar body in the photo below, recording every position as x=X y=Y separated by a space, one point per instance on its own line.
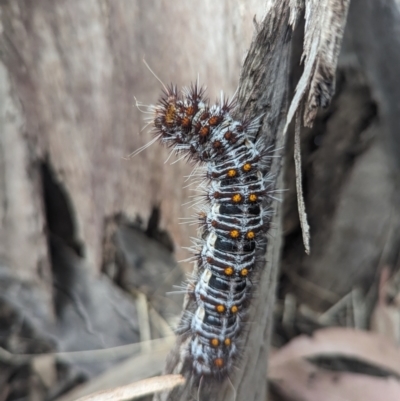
x=233 y=224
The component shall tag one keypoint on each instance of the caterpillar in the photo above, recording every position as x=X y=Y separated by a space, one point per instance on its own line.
x=233 y=222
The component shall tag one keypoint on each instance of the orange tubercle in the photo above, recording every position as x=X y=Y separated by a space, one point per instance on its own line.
x=231 y=173
x=217 y=144
x=204 y=131
x=170 y=114
x=220 y=308
x=219 y=362
x=250 y=235
x=228 y=271
x=189 y=110
x=214 y=120
x=236 y=198
x=253 y=197
x=185 y=122
x=228 y=135
x=234 y=234
x=247 y=167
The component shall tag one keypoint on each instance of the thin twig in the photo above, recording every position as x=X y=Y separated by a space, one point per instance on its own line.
x=305 y=228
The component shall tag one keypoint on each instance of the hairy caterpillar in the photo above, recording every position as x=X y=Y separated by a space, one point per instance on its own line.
x=233 y=223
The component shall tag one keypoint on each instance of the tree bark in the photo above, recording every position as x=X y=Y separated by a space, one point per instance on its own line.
x=350 y=164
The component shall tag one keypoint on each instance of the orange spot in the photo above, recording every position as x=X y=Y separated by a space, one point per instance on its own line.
x=204 y=131
x=247 y=167
x=234 y=233
x=231 y=173
x=170 y=114
x=234 y=309
x=204 y=116
x=219 y=362
x=227 y=342
x=253 y=197
x=214 y=223
x=237 y=198
x=220 y=308
x=214 y=342
x=244 y=272
x=214 y=120
x=250 y=235
x=209 y=259
x=217 y=195
x=185 y=122
x=228 y=135
x=189 y=110
x=217 y=144
x=228 y=271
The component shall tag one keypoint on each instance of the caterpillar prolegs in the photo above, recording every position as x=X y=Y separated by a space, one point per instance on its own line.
x=233 y=224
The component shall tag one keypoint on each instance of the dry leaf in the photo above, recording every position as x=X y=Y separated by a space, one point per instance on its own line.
x=299 y=380
x=369 y=347
x=375 y=360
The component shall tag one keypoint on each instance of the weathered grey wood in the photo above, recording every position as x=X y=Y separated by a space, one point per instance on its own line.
x=76 y=68
x=22 y=240
x=350 y=165
x=373 y=40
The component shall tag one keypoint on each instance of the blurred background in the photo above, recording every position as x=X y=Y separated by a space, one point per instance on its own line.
x=90 y=239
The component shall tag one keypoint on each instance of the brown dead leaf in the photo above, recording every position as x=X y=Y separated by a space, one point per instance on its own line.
x=369 y=347
x=294 y=377
x=298 y=379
